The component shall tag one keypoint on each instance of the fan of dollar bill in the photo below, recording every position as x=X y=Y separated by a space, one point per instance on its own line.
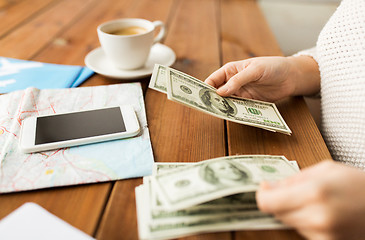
x=182 y=199
x=194 y=93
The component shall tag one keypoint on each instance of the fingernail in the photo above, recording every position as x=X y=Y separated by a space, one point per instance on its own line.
x=223 y=89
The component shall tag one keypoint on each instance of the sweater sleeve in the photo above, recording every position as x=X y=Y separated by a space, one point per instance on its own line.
x=312 y=52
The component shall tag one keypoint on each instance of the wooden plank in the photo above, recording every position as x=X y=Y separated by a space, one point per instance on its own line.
x=245 y=33
x=120 y=220
x=81 y=206
x=4 y=4
x=16 y=13
x=78 y=205
x=28 y=39
x=177 y=133
x=72 y=45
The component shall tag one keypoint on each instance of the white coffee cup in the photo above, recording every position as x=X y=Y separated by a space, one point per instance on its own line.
x=129 y=51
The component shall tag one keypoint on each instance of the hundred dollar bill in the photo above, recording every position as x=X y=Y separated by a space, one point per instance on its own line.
x=160 y=167
x=179 y=224
x=295 y=165
x=242 y=200
x=232 y=204
x=158 y=80
x=245 y=200
x=196 y=94
x=234 y=212
x=217 y=178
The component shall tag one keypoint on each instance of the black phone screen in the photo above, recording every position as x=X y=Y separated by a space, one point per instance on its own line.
x=78 y=125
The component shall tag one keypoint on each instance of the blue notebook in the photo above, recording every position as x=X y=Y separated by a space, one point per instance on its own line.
x=18 y=74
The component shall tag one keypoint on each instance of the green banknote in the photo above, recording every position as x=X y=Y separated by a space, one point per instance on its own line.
x=232 y=212
x=217 y=178
x=187 y=90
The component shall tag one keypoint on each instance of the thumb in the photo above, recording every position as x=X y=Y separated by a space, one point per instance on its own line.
x=247 y=75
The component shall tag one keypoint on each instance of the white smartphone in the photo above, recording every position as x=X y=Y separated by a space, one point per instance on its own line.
x=43 y=133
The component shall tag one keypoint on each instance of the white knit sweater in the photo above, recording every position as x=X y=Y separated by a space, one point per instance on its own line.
x=340 y=53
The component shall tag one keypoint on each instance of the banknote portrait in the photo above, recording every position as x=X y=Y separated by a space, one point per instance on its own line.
x=216 y=103
x=224 y=173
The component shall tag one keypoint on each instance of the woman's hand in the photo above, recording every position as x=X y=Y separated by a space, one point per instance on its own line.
x=323 y=202
x=267 y=78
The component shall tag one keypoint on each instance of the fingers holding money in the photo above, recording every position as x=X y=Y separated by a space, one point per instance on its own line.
x=222 y=75
x=192 y=92
x=281 y=197
x=292 y=193
x=261 y=78
x=230 y=78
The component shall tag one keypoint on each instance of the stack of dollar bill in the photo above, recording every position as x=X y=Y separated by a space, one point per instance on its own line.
x=187 y=90
x=181 y=199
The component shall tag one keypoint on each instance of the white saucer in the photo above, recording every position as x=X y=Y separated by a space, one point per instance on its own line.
x=97 y=61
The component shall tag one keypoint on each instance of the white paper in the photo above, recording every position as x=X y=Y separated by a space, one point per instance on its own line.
x=30 y=221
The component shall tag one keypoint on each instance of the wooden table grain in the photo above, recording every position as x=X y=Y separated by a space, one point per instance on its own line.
x=204 y=34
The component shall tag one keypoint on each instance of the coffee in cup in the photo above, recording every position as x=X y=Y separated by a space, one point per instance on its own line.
x=132 y=30
x=127 y=42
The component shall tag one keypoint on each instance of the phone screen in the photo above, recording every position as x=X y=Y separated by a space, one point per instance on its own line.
x=78 y=125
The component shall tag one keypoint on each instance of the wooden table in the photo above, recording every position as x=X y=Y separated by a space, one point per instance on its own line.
x=204 y=35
